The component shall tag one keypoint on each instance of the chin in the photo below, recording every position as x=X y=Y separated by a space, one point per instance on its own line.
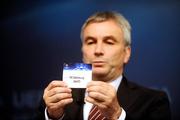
x=99 y=73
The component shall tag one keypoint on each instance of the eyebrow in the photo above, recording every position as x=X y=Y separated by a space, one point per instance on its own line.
x=89 y=37
x=104 y=38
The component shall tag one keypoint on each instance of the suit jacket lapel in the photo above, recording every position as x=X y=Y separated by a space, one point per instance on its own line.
x=126 y=94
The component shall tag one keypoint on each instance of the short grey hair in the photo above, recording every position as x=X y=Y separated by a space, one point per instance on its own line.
x=110 y=15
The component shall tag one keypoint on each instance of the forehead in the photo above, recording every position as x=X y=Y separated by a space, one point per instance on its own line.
x=104 y=28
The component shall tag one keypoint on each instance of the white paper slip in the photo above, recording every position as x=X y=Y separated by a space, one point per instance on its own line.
x=77 y=75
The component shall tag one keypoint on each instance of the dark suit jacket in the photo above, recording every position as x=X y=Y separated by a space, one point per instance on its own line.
x=139 y=103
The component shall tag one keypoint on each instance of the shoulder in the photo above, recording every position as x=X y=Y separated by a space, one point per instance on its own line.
x=143 y=102
x=133 y=90
x=146 y=91
x=144 y=94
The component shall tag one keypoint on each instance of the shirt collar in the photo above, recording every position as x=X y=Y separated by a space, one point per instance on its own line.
x=115 y=83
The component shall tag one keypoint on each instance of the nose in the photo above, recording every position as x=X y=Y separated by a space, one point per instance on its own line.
x=99 y=49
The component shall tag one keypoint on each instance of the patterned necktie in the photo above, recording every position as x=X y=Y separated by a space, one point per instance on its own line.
x=95 y=114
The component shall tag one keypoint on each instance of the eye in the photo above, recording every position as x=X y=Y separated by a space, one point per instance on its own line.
x=109 y=42
x=90 y=41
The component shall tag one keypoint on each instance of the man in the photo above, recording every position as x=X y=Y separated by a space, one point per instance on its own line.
x=106 y=44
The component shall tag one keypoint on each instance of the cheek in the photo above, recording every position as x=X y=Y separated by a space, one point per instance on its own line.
x=86 y=55
x=117 y=58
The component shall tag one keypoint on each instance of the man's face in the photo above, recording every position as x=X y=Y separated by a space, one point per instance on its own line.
x=104 y=48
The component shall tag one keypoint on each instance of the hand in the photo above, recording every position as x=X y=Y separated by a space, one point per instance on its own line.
x=56 y=96
x=104 y=96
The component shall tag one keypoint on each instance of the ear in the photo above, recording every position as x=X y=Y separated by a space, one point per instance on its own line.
x=127 y=54
x=82 y=53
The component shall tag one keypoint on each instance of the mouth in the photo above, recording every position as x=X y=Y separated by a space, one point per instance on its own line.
x=98 y=63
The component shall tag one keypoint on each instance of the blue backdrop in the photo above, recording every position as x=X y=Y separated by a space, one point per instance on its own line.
x=37 y=37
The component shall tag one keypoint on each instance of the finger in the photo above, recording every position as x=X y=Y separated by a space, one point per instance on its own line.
x=59 y=97
x=97 y=96
x=60 y=104
x=98 y=89
x=101 y=105
x=65 y=102
x=58 y=90
x=90 y=100
x=56 y=83
x=102 y=87
x=96 y=83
